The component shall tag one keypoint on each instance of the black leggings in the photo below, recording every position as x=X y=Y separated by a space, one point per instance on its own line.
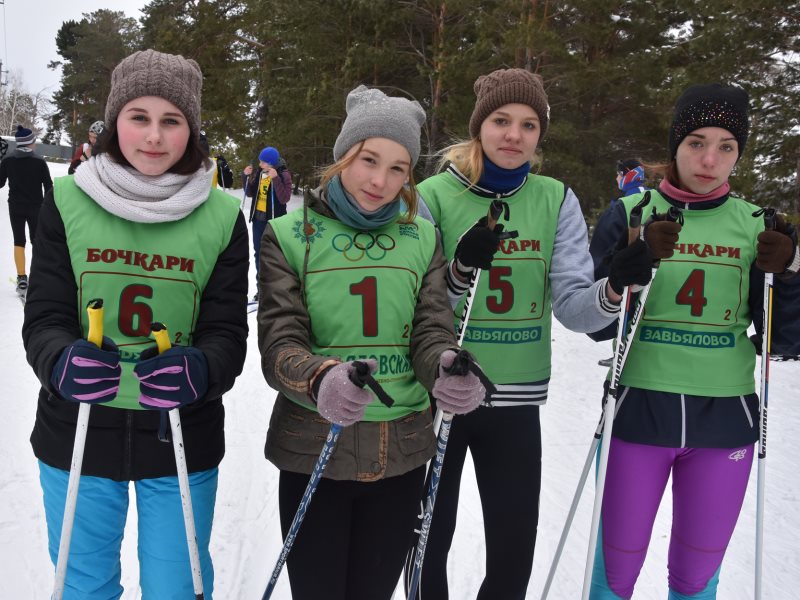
x=354 y=538
x=20 y=216
x=506 y=448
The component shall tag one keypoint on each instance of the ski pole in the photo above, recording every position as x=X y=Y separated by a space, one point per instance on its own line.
x=442 y=423
x=496 y=209
x=272 y=199
x=624 y=340
x=245 y=184
x=159 y=332
x=360 y=376
x=95 y=335
x=766 y=342
x=462 y=364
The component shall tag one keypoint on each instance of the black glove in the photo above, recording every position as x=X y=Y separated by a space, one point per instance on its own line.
x=632 y=265
x=478 y=245
x=776 y=248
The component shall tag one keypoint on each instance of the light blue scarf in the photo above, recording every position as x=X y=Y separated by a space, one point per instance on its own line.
x=350 y=213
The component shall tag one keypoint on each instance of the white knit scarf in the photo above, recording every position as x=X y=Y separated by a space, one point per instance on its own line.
x=127 y=193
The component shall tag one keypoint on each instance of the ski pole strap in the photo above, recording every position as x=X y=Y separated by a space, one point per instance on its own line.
x=361 y=376
x=163 y=426
x=463 y=363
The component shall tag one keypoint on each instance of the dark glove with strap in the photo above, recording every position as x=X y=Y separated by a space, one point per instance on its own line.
x=776 y=250
x=86 y=373
x=661 y=234
x=478 y=245
x=172 y=379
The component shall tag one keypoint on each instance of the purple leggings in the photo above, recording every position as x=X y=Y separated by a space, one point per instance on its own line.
x=708 y=487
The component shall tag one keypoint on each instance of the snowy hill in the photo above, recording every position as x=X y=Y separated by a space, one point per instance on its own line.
x=246 y=537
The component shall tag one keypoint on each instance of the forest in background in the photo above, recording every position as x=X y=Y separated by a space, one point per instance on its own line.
x=277 y=73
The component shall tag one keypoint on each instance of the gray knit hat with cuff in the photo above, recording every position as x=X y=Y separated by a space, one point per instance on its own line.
x=508 y=86
x=152 y=73
x=373 y=114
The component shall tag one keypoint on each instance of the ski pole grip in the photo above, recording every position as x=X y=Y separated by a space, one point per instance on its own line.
x=675 y=214
x=360 y=376
x=460 y=364
x=769 y=219
x=635 y=219
x=463 y=364
x=495 y=210
x=161 y=336
x=95 y=311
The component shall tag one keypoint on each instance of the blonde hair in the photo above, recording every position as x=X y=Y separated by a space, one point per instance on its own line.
x=408 y=193
x=467 y=157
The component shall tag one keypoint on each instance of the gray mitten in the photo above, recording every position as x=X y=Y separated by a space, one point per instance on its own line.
x=456 y=394
x=340 y=400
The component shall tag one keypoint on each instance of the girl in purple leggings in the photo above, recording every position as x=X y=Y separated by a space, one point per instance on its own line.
x=687 y=405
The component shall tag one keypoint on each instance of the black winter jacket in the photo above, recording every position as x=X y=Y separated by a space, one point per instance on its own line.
x=123 y=444
x=28 y=179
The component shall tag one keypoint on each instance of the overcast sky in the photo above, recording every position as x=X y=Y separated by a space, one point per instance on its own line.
x=29 y=35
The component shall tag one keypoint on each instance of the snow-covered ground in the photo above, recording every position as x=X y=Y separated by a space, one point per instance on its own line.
x=246 y=537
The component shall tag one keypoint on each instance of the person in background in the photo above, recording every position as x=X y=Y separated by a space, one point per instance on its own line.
x=546 y=272
x=687 y=407
x=270 y=188
x=352 y=275
x=84 y=151
x=630 y=180
x=28 y=180
x=138 y=226
x=223 y=176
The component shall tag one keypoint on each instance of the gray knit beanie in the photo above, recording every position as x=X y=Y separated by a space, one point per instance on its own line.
x=508 y=86
x=371 y=114
x=151 y=73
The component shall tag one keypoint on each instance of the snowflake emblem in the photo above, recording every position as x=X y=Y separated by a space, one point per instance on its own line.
x=313 y=229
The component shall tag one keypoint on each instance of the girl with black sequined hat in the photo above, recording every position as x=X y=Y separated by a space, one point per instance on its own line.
x=687 y=407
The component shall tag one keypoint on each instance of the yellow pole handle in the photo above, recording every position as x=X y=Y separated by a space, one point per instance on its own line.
x=95 y=311
x=161 y=335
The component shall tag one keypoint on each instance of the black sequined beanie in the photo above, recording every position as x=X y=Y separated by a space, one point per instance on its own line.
x=710 y=105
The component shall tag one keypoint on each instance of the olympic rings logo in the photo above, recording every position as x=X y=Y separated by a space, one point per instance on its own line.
x=363 y=243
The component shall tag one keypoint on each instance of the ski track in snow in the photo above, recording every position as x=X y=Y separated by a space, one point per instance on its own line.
x=246 y=539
